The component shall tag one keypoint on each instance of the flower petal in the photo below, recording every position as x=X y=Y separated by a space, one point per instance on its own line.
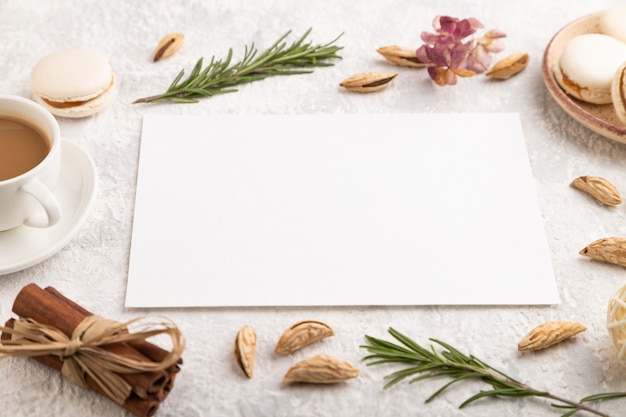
x=477 y=24
x=458 y=55
x=463 y=73
x=478 y=60
x=447 y=24
x=422 y=54
x=495 y=34
x=495 y=46
x=453 y=52
x=432 y=72
x=463 y=29
x=450 y=78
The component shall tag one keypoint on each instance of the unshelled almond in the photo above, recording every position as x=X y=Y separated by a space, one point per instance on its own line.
x=549 y=334
x=598 y=188
x=368 y=82
x=402 y=56
x=302 y=334
x=245 y=350
x=169 y=45
x=509 y=66
x=321 y=369
x=608 y=249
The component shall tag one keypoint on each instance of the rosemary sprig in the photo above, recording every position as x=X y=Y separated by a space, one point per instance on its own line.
x=451 y=363
x=221 y=76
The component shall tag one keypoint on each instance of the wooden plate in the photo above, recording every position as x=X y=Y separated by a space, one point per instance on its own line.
x=599 y=118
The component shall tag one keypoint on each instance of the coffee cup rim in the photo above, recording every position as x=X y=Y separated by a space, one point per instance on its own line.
x=54 y=135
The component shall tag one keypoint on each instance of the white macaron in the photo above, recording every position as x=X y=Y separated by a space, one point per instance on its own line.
x=587 y=66
x=76 y=82
x=613 y=22
x=618 y=93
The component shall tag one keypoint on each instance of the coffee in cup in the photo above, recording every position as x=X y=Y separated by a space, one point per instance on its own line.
x=30 y=164
x=22 y=147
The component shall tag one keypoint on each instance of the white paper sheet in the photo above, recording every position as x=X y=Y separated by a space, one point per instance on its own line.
x=351 y=209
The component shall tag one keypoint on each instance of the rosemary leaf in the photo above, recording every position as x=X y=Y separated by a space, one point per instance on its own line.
x=449 y=362
x=221 y=76
x=604 y=396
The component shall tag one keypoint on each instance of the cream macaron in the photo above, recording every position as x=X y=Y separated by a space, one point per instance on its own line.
x=618 y=93
x=612 y=22
x=587 y=66
x=75 y=82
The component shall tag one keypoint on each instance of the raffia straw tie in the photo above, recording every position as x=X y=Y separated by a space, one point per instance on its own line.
x=83 y=353
x=616 y=321
x=72 y=347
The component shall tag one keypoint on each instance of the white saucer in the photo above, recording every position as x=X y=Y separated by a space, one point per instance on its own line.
x=24 y=246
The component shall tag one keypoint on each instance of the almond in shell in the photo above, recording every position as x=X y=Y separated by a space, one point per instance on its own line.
x=321 y=369
x=609 y=249
x=598 y=188
x=509 y=66
x=549 y=334
x=245 y=350
x=169 y=45
x=402 y=56
x=302 y=334
x=368 y=82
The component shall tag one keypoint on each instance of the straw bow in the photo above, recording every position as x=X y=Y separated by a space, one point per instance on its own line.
x=84 y=354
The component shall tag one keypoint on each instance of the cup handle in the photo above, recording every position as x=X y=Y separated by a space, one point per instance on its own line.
x=48 y=201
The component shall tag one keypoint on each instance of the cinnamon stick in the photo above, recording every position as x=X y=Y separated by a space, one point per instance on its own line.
x=140 y=407
x=150 y=350
x=35 y=303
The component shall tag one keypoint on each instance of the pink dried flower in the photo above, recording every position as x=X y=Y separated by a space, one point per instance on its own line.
x=453 y=52
x=479 y=59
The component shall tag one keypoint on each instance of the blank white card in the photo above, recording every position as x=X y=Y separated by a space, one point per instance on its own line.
x=342 y=210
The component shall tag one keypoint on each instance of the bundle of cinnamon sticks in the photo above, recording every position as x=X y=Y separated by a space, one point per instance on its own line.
x=51 y=308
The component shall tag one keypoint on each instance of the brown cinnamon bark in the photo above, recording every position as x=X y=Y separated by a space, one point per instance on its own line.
x=35 y=303
x=151 y=351
x=146 y=348
x=140 y=407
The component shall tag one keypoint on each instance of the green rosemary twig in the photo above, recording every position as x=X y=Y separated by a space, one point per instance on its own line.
x=451 y=363
x=221 y=76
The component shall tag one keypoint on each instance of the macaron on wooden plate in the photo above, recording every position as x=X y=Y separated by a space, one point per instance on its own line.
x=601 y=119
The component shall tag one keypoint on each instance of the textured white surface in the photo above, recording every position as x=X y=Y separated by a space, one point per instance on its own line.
x=92 y=268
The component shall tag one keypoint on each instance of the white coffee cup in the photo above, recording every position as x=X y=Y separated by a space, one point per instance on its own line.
x=27 y=198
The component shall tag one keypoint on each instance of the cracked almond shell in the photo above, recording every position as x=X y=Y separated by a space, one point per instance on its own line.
x=549 y=334
x=245 y=350
x=509 y=66
x=168 y=46
x=302 y=334
x=321 y=369
x=400 y=55
x=598 y=188
x=608 y=249
x=368 y=82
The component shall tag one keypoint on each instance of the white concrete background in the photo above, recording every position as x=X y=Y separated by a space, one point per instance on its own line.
x=92 y=269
